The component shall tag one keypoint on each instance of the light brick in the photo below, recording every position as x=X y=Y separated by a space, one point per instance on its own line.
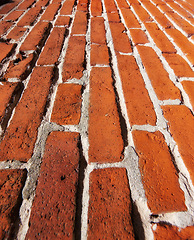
x=99 y=54
x=98 y=30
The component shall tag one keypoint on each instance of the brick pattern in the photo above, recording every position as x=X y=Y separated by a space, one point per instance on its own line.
x=96 y=119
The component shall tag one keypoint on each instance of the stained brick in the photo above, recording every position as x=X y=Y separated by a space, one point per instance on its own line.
x=158 y=173
x=130 y=19
x=82 y=5
x=67 y=7
x=54 y=207
x=189 y=88
x=109 y=204
x=26 y=4
x=8 y=7
x=74 y=60
x=110 y=5
x=141 y=12
x=181 y=124
x=80 y=23
x=4 y=26
x=138 y=36
x=13 y=16
x=113 y=17
x=139 y=106
x=67 y=106
x=106 y=144
x=20 y=137
x=99 y=54
x=96 y=8
x=52 y=47
x=161 y=82
x=16 y=33
x=98 y=30
x=6 y=50
x=11 y=182
x=63 y=21
x=50 y=12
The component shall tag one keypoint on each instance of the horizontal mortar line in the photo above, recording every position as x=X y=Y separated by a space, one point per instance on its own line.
x=126 y=54
x=96 y=165
x=170 y=102
x=13 y=164
x=79 y=35
x=145 y=127
x=186 y=79
x=100 y=65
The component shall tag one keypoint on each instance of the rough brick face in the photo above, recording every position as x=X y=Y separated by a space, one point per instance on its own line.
x=99 y=54
x=109 y=204
x=54 y=207
x=97 y=30
x=5 y=50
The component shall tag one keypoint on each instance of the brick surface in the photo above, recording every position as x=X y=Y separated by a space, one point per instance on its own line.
x=67 y=107
x=50 y=12
x=189 y=88
x=82 y=5
x=109 y=204
x=8 y=7
x=138 y=36
x=80 y=23
x=54 y=208
x=11 y=182
x=110 y=6
x=105 y=138
x=14 y=15
x=4 y=26
x=16 y=33
x=26 y=4
x=6 y=50
x=142 y=13
x=181 y=124
x=19 y=139
x=67 y=7
x=158 y=173
x=99 y=54
x=130 y=19
x=63 y=21
x=96 y=8
x=98 y=30
x=139 y=107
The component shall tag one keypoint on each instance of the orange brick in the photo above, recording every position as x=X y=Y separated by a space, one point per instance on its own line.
x=13 y=16
x=52 y=48
x=142 y=14
x=98 y=30
x=37 y=37
x=122 y=4
x=163 y=86
x=11 y=182
x=181 y=123
x=54 y=207
x=113 y=17
x=67 y=7
x=67 y=107
x=4 y=26
x=179 y=65
x=42 y=3
x=105 y=139
x=158 y=173
x=138 y=36
x=80 y=23
x=16 y=33
x=50 y=12
x=96 y=8
x=187 y=6
x=63 y=21
x=74 y=61
x=110 y=6
x=121 y=43
x=8 y=7
x=26 y=4
x=82 y=5
x=6 y=50
x=160 y=39
x=130 y=19
x=139 y=106
x=164 y=231
x=99 y=54
x=20 y=137
x=109 y=204
x=189 y=88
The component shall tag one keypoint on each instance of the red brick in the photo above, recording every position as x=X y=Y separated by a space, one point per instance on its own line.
x=130 y=19
x=98 y=30
x=36 y=37
x=142 y=14
x=110 y=204
x=67 y=106
x=99 y=55
x=16 y=33
x=96 y=8
x=6 y=50
x=164 y=231
x=159 y=176
x=139 y=106
x=110 y=6
x=21 y=67
x=54 y=207
x=13 y=16
x=67 y=7
x=160 y=39
x=11 y=182
x=122 y=4
x=179 y=65
x=80 y=23
x=189 y=88
x=50 y=12
x=183 y=43
x=163 y=86
x=121 y=43
x=63 y=21
x=74 y=60
x=26 y=4
x=20 y=137
x=138 y=36
x=82 y=5
x=105 y=139
x=113 y=17
x=8 y=7
x=53 y=46
x=181 y=123
x=42 y=3
x=4 y=26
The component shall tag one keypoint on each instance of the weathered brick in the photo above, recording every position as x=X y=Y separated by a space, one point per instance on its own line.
x=110 y=204
x=189 y=88
x=82 y=5
x=139 y=106
x=63 y=21
x=179 y=65
x=53 y=46
x=164 y=231
x=98 y=30
x=11 y=182
x=50 y=12
x=96 y=8
x=13 y=16
x=42 y=3
x=67 y=7
x=54 y=206
x=99 y=54
x=122 y=4
x=163 y=86
x=141 y=12
x=16 y=33
x=181 y=124
x=74 y=60
x=105 y=139
x=8 y=7
x=130 y=19
x=4 y=26
x=36 y=37
x=121 y=43
x=80 y=23
x=67 y=106
x=6 y=50
x=138 y=36
x=110 y=6
x=113 y=17
x=20 y=137
x=159 y=176
x=160 y=39
x=26 y=4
